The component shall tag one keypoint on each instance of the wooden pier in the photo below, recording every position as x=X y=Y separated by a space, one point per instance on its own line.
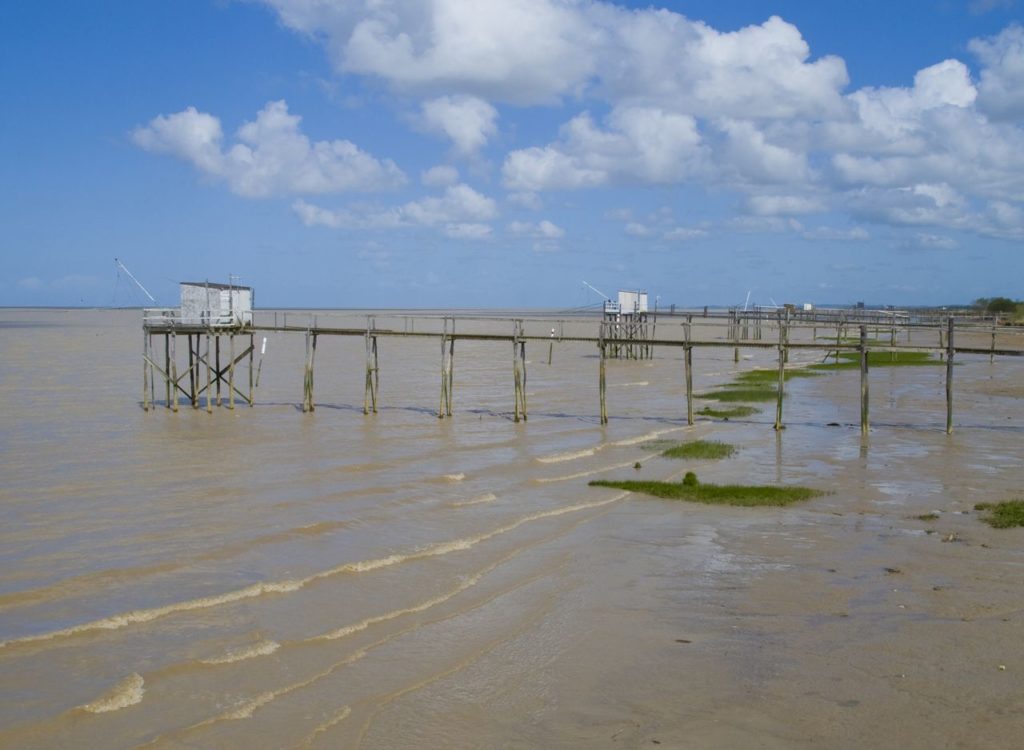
x=218 y=349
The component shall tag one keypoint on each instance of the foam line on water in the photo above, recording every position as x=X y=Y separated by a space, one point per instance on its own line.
x=571 y=456
x=487 y=497
x=90 y=582
x=126 y=693
x=247 y=708
x=590 y=473
x=338 y=717
x=141 y=616
x=649 y=436
x=262 y=648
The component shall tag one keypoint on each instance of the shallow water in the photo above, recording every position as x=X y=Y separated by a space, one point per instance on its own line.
x=264 y=577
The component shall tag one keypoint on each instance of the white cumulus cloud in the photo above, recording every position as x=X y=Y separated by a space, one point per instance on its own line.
x=460 y=211
x=440 y=176
x=467 y=120
x=1001 y=90
x=543 y=229
x=269 y=156
x=639 y=145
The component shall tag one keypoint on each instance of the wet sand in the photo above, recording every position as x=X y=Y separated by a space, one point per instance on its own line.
x=273 y=579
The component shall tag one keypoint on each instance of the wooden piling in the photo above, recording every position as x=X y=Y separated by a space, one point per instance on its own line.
x=172 y=381
x=782 y=373
x=601 y=386
x=252 y=348
x=152 y=374
x=688 y=369
x=193 y=384
x=735 y=336
x=372 y=374
x=307 y=387
x=145 y=371
x=522 y=376
x=949 y=378
x=863 y=380
x=447 y=370
x=167 y=369
x=231 y=371
x=519 y=371
x=216 y=346
x=209 y=381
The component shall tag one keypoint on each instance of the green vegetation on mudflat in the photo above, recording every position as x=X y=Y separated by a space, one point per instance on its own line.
x=770 y=377
x=700 y=449
x=736 y=411
x=746 y=496
x=1004 y=515
x=732 y=395
x=851 y=361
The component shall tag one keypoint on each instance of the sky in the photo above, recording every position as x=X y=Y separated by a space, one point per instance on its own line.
x=499 y=153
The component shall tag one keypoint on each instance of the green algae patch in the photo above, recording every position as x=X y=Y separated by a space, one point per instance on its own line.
x=711 y=449
x=742 y=495
x=764 y=377
x=732 y=395
x=851 y=360
x=1004 y=515
x=735 y=411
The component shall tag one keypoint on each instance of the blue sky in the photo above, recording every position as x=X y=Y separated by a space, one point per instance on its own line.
x=467 y=153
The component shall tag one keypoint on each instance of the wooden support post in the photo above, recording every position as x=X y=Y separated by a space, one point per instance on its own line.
x=231 y=371
x=252 y=347
x=688 y=361
x=307 y=386
x=145 y=370
x=519 y=371
x=172 y=381
x=167 y=369
x=735 y=336
x=992 y=354
x=863 y=380
x=444 y=409
x=892 y=339
x=209 y=382
x=601 y=389
x=193 y=384
x=451 y=369
x=152 y=374
x=688 y=367
x=949 y=378
x=522 y=374
x=782 y=373
x=217 y=370
x=372 y=376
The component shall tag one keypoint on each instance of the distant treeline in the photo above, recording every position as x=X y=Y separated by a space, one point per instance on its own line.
x=1012 y=309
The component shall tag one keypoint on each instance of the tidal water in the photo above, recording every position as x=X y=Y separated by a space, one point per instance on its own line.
x=261 y=577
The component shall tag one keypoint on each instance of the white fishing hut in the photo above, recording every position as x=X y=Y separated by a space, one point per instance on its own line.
x=626 y=325
x=204 y=303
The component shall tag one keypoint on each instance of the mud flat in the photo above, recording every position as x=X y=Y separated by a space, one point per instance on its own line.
x=268 y=578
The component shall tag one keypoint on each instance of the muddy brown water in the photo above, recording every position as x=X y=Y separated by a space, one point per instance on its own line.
x=267 y=578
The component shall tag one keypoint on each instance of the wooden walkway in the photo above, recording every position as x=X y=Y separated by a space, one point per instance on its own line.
x=208 y=373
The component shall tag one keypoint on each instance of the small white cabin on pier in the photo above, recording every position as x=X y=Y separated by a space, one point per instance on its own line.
x=206 y=305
